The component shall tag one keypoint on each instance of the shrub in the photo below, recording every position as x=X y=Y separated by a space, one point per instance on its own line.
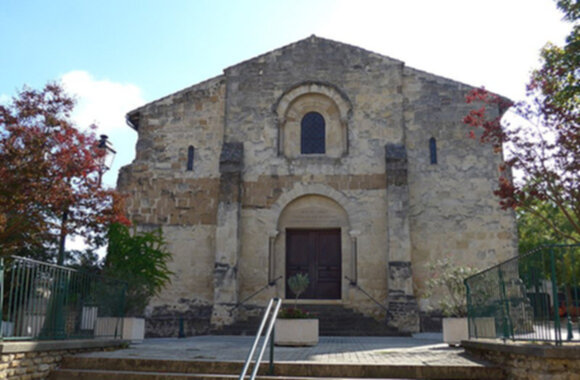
x=140 y=259
x=447 y=280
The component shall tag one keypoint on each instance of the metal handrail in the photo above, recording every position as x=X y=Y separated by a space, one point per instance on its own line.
x=271 y=283
x=270 y=319
x=354 y=283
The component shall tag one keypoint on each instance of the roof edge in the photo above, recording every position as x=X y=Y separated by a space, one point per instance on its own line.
x=132 y=117
x=446 y=79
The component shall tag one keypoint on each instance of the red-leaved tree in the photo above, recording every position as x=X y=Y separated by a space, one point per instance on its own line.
x=542 y=146
x=50 y=176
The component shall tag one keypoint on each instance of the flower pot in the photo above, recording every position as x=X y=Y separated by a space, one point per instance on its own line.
x=296 y=332
x=455 y=330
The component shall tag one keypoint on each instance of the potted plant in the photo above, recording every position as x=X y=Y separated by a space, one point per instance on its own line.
x=447 y=281
x=140 y=259
x=294 y=326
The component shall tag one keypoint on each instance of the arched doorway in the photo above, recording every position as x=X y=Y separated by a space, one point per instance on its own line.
x=314 y=230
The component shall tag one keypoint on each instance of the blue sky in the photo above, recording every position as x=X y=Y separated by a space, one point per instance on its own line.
x=117 y=55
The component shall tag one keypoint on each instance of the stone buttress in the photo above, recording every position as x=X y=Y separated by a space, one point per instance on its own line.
x=403 y=311
x=227 y=242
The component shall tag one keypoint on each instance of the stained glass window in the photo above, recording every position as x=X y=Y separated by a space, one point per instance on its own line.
x=312 y=134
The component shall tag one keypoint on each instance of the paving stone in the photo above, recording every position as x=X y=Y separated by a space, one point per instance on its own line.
x=371 y=350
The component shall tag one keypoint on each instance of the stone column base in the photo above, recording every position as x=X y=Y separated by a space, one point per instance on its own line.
x=403 y=314
x=222 y=315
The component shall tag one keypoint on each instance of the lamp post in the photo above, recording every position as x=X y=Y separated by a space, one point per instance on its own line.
x=105 y=161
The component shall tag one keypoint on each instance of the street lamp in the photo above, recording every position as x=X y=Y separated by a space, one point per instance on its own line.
x=106 y=160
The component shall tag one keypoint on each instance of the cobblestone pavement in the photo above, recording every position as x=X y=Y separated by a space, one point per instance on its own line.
x=360 y=350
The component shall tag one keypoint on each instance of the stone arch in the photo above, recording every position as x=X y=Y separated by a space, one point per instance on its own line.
x=328 y=213
x=299 y=190
x=331 y=210
x=322 y=98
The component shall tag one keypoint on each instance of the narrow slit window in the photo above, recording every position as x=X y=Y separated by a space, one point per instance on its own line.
x=433 y=150
x=312 y=134
x=190 y=156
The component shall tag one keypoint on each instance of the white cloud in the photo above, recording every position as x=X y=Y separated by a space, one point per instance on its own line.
x=101 y=101
x=4 y=99
x=105 y=103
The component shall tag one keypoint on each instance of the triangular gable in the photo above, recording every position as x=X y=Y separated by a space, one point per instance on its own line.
x=312 y=42
x=309 y=43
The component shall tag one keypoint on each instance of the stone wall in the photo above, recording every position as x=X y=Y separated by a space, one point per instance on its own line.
x=523 y=361
x=163 y=192
x=370 y=83
x=225 y=219
x=362 y=102
x=35 y=360
x=453 y=211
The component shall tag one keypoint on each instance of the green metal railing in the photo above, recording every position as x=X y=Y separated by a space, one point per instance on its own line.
x=533 y=297
x=45 y=301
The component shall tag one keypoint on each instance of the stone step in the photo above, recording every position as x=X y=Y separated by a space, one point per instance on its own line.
x=335 y=320
x=88 y=368
x=133 y=375
x=323 y=331
x=345 y=322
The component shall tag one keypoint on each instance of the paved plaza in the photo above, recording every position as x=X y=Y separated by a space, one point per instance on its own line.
x=423 y=349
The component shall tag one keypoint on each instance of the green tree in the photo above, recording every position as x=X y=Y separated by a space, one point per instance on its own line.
x=140 y=259
x=534 y=232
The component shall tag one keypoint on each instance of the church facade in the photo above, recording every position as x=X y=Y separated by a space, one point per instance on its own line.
x=319 y=158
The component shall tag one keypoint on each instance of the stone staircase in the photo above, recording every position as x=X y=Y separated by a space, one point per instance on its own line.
x=334 y=320
x=90 y=368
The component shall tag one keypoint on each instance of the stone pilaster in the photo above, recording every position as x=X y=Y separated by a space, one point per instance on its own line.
x=403 y=311
x=271 y=256
x=354 y=234
x=227 y=239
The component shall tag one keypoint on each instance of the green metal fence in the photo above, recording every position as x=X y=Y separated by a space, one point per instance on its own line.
x=533 y=297
x=45 y=301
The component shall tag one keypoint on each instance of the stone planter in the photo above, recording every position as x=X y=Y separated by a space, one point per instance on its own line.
x=7 y=328
x=132 y=329
x=296 y=332
x=455 y=330
x=483 y=327
x=89 y=316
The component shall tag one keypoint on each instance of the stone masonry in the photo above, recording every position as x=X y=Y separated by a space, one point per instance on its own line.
x=219 y=166
x=35 y=360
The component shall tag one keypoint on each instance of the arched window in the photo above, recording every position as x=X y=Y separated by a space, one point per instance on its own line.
x=312 y=134
x=190 y=156
x=433 y=150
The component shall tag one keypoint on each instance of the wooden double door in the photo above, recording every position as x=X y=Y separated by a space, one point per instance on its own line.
x=316 y=252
